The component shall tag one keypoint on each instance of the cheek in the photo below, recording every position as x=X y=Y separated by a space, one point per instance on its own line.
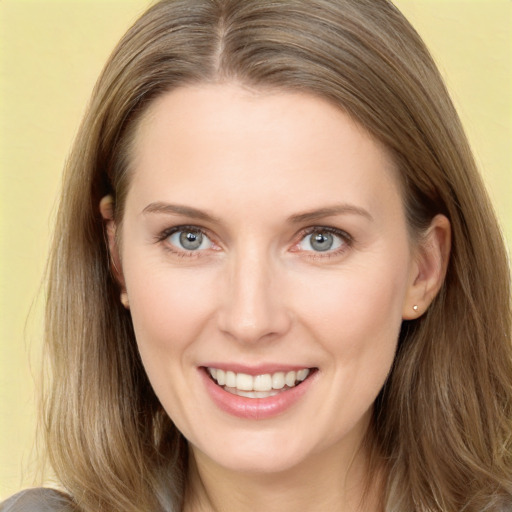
x=170 y=311
x=169 y=307
x=356 y=312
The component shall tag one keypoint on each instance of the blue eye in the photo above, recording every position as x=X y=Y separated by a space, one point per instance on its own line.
x=322 y=240
x=189 y=239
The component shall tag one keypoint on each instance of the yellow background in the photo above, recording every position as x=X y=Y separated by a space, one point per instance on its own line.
x=51 y=52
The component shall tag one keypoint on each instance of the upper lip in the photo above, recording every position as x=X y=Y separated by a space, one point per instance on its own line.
x=259 y=369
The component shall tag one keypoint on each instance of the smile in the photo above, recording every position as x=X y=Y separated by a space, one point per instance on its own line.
x=257 y=386
x=257 y=394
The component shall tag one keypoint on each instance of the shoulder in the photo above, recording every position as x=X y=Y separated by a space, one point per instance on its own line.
x=37 y=500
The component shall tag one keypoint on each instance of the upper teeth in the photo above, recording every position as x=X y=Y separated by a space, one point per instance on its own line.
x=264 y=382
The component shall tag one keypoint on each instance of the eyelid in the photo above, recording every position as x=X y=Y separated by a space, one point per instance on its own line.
x=166 y=233
x=346 y=238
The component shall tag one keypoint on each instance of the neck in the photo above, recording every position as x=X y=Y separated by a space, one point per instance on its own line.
x=324 y=483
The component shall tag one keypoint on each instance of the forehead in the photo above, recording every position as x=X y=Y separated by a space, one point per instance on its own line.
x=230 y=142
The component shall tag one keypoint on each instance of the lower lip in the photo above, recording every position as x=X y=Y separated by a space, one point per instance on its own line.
x=254 y=408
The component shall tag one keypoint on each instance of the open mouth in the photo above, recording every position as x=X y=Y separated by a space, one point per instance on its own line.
x=258 y=386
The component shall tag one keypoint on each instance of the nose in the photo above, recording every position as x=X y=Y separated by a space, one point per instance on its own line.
x=253 y=307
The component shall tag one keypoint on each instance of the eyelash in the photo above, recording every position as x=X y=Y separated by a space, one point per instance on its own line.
x=345 y=238
x=166 y=233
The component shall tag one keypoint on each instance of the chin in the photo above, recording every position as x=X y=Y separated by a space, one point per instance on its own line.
x=255 y=455
x=260 y=465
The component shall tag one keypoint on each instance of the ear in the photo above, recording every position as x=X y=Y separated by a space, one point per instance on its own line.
x=429 y=267
x=107 y=212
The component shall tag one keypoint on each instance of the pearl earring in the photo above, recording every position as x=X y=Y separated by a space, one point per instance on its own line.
x=415 y=307
x=124 y=300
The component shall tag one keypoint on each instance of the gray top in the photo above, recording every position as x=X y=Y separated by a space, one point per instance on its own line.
x=49 y=500
x=37 y=500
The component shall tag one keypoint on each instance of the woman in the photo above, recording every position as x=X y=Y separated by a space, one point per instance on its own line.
x=276 y=279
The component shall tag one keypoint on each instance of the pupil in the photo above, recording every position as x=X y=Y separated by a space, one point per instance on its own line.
x=322 y=241
x=190 y=240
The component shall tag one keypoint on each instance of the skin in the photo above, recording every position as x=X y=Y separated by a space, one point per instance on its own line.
x=252 y=163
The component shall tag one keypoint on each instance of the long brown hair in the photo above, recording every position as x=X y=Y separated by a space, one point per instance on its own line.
x=442 y=424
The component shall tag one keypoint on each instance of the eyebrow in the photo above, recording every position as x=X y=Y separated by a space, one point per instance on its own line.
x=178 y=209
x=308 y=216
x=332 y=211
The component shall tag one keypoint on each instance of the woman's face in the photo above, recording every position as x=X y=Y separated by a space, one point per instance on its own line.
x=268 y=268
